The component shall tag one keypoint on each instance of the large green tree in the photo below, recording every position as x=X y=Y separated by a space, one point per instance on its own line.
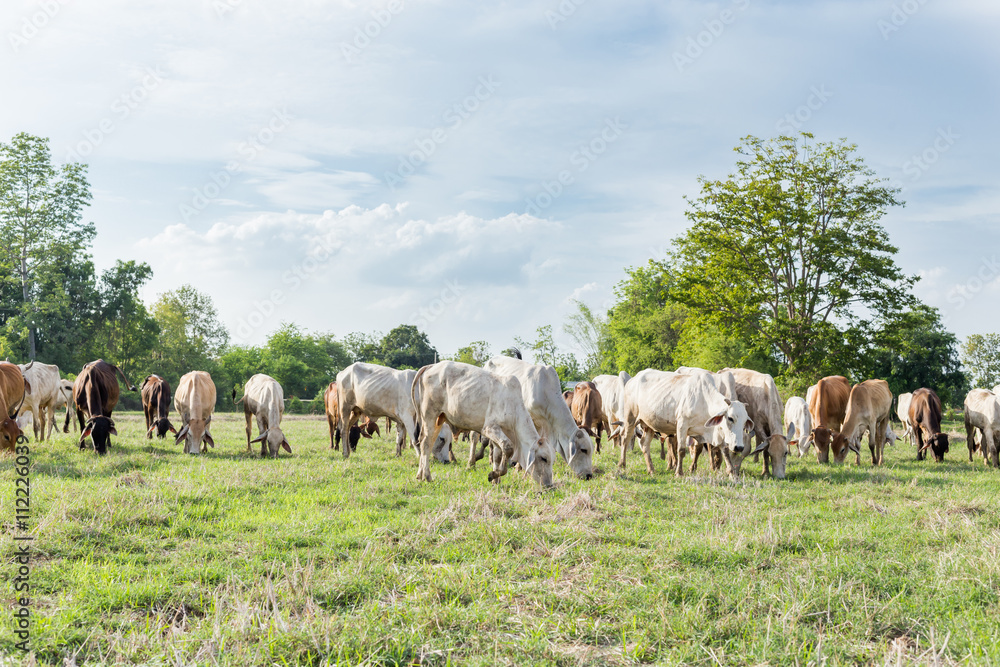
x=406 y=347
x=303 y=363
x=126 y=333
x=191 y=336
x=788 y=252
x=981 y=358
x=41 y=224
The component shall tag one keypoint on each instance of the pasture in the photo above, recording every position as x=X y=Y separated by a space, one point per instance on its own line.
x=149 y=556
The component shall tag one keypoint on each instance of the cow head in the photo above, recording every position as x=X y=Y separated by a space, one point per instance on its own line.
x=823 y=437
x=581 y=449
x=538 y=462
x=161 y=426
x=732 y=428
x=776 y=448
x=800 y=443
x=937 y=444
x=99 y=429
x=10 y=435
x=840 y=444
x=275 y=441
x=193 y=434
x=442 y=448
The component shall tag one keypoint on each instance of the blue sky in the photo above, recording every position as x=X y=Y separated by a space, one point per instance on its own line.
x=472 y=167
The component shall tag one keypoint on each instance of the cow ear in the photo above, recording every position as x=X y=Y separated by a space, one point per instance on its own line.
x=531 y=460
x=791 y=431
x=170 y=427
x=208 y=438
x=750 y=426
x=112 y=430
x=288 y=448
x=761 y=447
x=715 y=421
x=259 y=437
x=183 y=432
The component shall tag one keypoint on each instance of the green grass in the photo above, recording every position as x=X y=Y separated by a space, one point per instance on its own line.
x=148 y=556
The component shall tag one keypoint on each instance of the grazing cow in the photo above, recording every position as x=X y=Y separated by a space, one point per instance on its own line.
x=776 y=450
x=331 y=401
x=759 y=394
x=903 y=412
x=264 y=399
x=568 y=397
x=467 y=397
x=155 y=392
x=588 y=411
x=12 y=391
x=827 y=406
x=925 y=416
x=195 y=403
x=612 y=389
x=377 y=391
x=64 y=399
x=890 y=436
x=869 y=408
x=542 y=393
x=45 y=383
x=797 y=414
x=95 y=392
x=982 y=417
x=688 y=406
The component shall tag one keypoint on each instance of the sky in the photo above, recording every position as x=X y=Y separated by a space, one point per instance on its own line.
x=475 y=167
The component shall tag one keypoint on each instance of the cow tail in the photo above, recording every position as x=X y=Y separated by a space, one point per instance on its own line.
x=415 y=397
x=235 y=402
x=131 y=387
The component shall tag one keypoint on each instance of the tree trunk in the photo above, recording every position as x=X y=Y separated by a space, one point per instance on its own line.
x=24 y=292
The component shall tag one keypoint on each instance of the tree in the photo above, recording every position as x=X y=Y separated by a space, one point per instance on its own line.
x=589 y=330
x=788 y=252
x=363 y=347
x=645 y=325
x=41 y=211
x=914 y=351
x=302 y=363
x=545 y=352
x=238 y=364
x=406 y=347
x=981 y=358
x=476 y=353
x=191 y=336
x=126 y=333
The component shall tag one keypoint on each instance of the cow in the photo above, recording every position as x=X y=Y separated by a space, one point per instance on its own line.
x=264 y=399
x=568 y=397
x=194 y=401
x=588 y=411
x=827 y=406
x=367 y=428
x=64 y=399
x=903 y=412
x=13 y=388
x=759 y=394
x=45 y=383
x=869 y=408
x=925 y=416
x=797 y=414
x=776 y=451
x=724 y=381
x=155 y=393
x=688 y=406
x=541 y=390
x=95 y=393
x=612 y=389
x=982 y=415
x=377 y=391
x=468 y=397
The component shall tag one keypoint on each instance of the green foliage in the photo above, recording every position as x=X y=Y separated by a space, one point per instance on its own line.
x=191 y=336
x=363 y=347
x=406 y=347
x=476 y=353
x=788 y=253
x=591 y=333
x=544 y=351
x=302 y=363
x=644 y=325
x=981 y=357
x=126 y=333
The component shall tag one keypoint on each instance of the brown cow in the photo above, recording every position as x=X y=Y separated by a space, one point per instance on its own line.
x=827 y=407
x=568 y=397
x=155 y=393
x=588 y=411
x=869 y=408
x=96 y=395
x=925 y=416
x=13 y=387
x=331 y=399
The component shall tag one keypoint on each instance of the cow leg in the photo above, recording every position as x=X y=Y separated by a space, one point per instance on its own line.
x=402 y=430
x=646 y=445
x=347 y=419
x=716 y=455
x=333 y=431
x=501 y=451
x=920 y=444
x=694 y=457
x=970 y=438
x=767 y=463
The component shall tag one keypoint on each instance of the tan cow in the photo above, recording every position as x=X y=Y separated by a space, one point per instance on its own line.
x=869 y=408
x=797 y=414
x=827 y=406
x=12 y=391
x=264 y=399
x=45 y=384
x=194 y=401
x=982 y=417
x=588 y=411
x=467 y=397
x=903 y=412
x=612 y=388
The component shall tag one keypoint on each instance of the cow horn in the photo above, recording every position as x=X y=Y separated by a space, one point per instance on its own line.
x=854 y=448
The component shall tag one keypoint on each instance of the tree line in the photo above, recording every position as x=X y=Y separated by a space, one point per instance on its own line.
x=784 y=268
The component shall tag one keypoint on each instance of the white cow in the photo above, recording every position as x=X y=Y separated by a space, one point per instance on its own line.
x=542 y=393
x=264 y=399
x=44 y=382
x=688 y=406
x=467 y=397
x=760 y=395
x=64 y=399
x=797 y=413
x=378 y=391
x=612 y=390
x=724 y=381
x=982 y=417
x=194 y=401
x=903 y=412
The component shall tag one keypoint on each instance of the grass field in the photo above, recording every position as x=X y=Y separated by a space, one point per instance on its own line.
x=148 y=556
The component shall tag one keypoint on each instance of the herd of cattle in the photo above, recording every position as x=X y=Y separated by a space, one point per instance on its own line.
x=518 y=412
